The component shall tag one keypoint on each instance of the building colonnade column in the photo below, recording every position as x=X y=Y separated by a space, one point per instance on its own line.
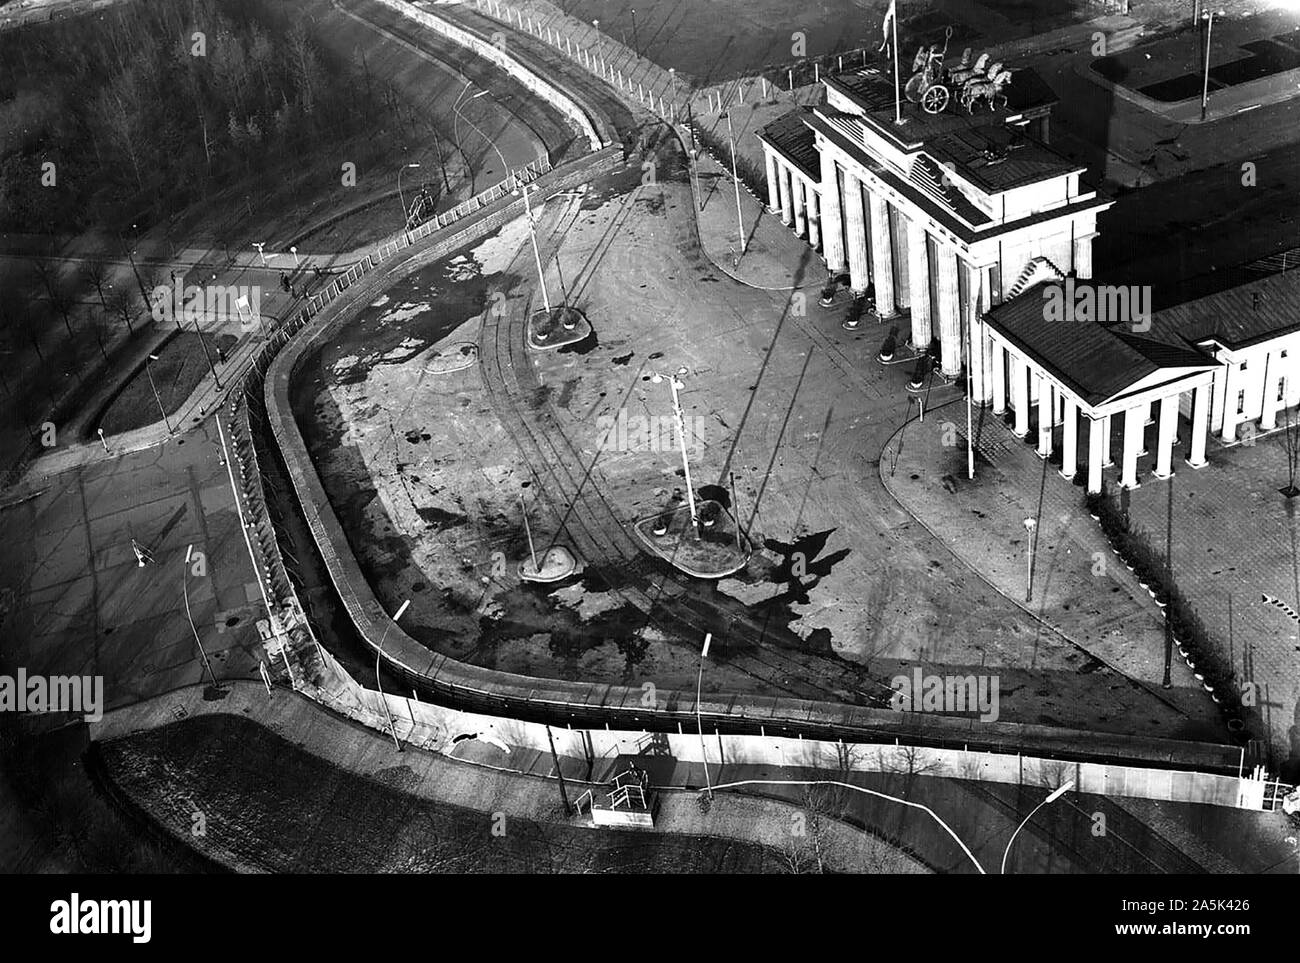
x=831 y=217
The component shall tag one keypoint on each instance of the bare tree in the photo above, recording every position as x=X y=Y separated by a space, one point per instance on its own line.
x=96 y=273
x=121 y=303
x=54 y=292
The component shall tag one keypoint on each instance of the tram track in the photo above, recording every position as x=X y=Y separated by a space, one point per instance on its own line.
x=598 y=531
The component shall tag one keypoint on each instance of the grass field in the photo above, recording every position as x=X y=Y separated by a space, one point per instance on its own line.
x=268 y=803
x=180 y=367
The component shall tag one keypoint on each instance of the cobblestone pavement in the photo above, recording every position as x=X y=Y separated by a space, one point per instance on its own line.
x=1233 y=539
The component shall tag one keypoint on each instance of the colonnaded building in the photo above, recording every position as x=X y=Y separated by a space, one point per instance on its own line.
x=966 y=224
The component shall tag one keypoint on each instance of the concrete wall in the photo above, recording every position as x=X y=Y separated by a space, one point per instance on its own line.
x=436 y=728
x=497 y=55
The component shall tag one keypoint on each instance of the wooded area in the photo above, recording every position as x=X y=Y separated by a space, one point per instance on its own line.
x=154 y=105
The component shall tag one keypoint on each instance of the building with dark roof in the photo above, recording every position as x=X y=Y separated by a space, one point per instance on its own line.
x=964 y=217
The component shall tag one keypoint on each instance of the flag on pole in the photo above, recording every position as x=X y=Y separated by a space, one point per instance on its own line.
x=891 y=24
x=891 y=16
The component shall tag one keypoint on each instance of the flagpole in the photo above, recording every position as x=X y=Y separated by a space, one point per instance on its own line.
x=898 y=103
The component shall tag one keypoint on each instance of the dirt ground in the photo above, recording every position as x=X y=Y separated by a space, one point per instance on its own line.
x=847 y=589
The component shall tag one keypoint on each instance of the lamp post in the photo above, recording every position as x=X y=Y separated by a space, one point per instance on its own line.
x=675 y=384
x=1030 y=525
x=379 y=652
x=406 y=218
x=1208 y=16
x=148 y=370
x=185 y=586
x=866 y=792
x=735 y=180
x=537 y=255
x=636 y=46
x=204 y=345
x=505 y=168
x=532 y=551
x=261 y=251
x=699 y=719
x=103 y=441
x=1051 y=798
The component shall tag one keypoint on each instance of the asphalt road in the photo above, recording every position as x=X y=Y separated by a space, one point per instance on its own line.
x=1195 y=214
x=74 y=600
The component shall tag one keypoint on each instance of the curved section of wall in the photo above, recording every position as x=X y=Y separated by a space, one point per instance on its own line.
x=552 y=94
x=603 y=704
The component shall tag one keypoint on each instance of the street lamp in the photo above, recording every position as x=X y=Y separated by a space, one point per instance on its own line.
x=866 y=792
x=455 y=127
x=261 y=250
x=379 y=651
x=699 y=722
x=695 y=175
x=537 y=255
x=185 y=585
x=1208 y=17
x=675 y=384
x=204 y=345
x=1052 y=797
x=1030 y=525
x=406 y=219
x=735 y=180
x=148 y=370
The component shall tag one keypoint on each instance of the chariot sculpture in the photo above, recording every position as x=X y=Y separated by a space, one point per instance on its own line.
x=934 y=86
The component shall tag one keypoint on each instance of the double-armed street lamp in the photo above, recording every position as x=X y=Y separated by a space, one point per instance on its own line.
x=675 y=384
x=525 y=190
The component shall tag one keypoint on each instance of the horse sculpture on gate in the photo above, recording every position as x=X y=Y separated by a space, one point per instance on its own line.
x=988 y=89
x=934 y=86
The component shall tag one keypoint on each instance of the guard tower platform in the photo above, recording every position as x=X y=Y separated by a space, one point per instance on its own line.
x=627 y=801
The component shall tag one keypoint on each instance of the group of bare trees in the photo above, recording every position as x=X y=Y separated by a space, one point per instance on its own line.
x=155 y=105
x=59 y=325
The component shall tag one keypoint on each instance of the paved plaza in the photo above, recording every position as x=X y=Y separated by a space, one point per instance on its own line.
x=1233 y=539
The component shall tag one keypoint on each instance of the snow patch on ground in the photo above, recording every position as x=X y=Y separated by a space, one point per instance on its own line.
x=380 y=301
x=405 y=311
x=587 y=604
x=749 y=593
x=497 y=251
x=345 y=364
x=399 y=352
x=462 y=269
